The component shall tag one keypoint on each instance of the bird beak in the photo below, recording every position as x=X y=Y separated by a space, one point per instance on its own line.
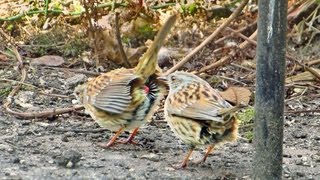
x=163 y=78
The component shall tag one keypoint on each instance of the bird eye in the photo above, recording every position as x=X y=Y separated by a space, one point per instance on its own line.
x=173 y=78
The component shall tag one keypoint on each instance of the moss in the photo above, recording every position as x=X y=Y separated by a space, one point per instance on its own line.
x=246 y=116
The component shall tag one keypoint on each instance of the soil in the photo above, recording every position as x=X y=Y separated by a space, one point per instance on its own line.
x=58 y=149
x=65 y=147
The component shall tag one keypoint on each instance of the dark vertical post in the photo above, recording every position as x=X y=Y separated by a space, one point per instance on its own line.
x=269 y=98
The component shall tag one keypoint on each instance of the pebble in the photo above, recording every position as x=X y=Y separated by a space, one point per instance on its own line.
x=299 y=134
x=299 y=162
x=152 y=157
x=16 y=160
x=64 y=139
x=76 y=79
x=68 y=158
x=300 y=174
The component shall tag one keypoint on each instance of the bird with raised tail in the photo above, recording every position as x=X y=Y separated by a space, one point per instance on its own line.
x=197 y=114
x=125 y=99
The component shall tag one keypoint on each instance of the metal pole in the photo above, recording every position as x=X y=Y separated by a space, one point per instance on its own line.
x=269 y=98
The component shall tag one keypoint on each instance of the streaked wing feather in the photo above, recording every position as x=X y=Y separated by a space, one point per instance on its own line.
x=115 y=97
x=205 y=108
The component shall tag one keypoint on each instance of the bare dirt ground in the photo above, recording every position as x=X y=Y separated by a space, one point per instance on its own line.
x=51 y=150
x=64 y=147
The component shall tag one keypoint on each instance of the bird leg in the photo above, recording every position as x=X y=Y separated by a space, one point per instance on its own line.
x=112 y=140
x=130 y=138
x=209 y=149
x=185 y=160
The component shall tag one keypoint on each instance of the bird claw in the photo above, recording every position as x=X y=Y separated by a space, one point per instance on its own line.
x=127 y=141
x=179 y=166
x=105 y=145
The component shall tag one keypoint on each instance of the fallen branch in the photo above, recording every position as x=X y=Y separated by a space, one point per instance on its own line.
x=98 y=130
x=90 y=73
x=23 y=71
x=250 y=40
x=234 y=15
x=225 y=59
x=302 y=111
x=26 y=115
x=44 y=114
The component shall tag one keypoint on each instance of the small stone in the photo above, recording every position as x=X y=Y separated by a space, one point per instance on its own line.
x=299 y=162
x=152 y=157
x=76 y=79
x=169 y=169
x=68 y=158
x=64 y=139
x=300 y=174
x=69 y=134
x=287 y=156
x=69 y=164
x=299 y=134
x=16 y=160
x=133 y=155
x=50 y=161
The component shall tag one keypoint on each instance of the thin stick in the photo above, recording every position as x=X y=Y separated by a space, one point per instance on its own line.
x=23 y=71
x=118 y=36
x=226 y=58
x=90 y=73
x=98 y=130
x=46 y=113
x=302 y=111
x=234 y=15
x=250 y=40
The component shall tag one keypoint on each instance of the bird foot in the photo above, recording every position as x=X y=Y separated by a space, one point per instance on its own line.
x=127 y=141
x=105 y=145
x=179 y=166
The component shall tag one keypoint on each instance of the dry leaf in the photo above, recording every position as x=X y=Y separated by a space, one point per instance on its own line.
x=48 y=61
x=305 y=76
x=237 y=95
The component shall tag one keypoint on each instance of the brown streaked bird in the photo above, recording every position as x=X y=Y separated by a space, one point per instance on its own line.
x=197 y=114
x=124 y=99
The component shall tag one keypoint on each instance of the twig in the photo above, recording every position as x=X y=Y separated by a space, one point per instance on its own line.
x=23 y=71
x=46 y=113
x=25 y=115
x=312 y=71
x=90 y=73
x=118 y=36
x=242 y=36
x=234 y=15
x=309 y=63
x=98 y=130
x=242 y=67
x=231 y=79
x=250 y=40
x=222 y=61
x=302 y=111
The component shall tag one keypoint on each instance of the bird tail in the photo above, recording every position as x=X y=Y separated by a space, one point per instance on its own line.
x=148 y=63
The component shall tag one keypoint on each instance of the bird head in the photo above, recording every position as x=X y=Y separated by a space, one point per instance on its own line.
x=179 y=79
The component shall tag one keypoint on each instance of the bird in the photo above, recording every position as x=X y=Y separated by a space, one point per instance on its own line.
x=197 y=114
x=125 y=99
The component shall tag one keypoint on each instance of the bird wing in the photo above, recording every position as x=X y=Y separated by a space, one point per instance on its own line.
x=111 y=91
x=202 y=103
